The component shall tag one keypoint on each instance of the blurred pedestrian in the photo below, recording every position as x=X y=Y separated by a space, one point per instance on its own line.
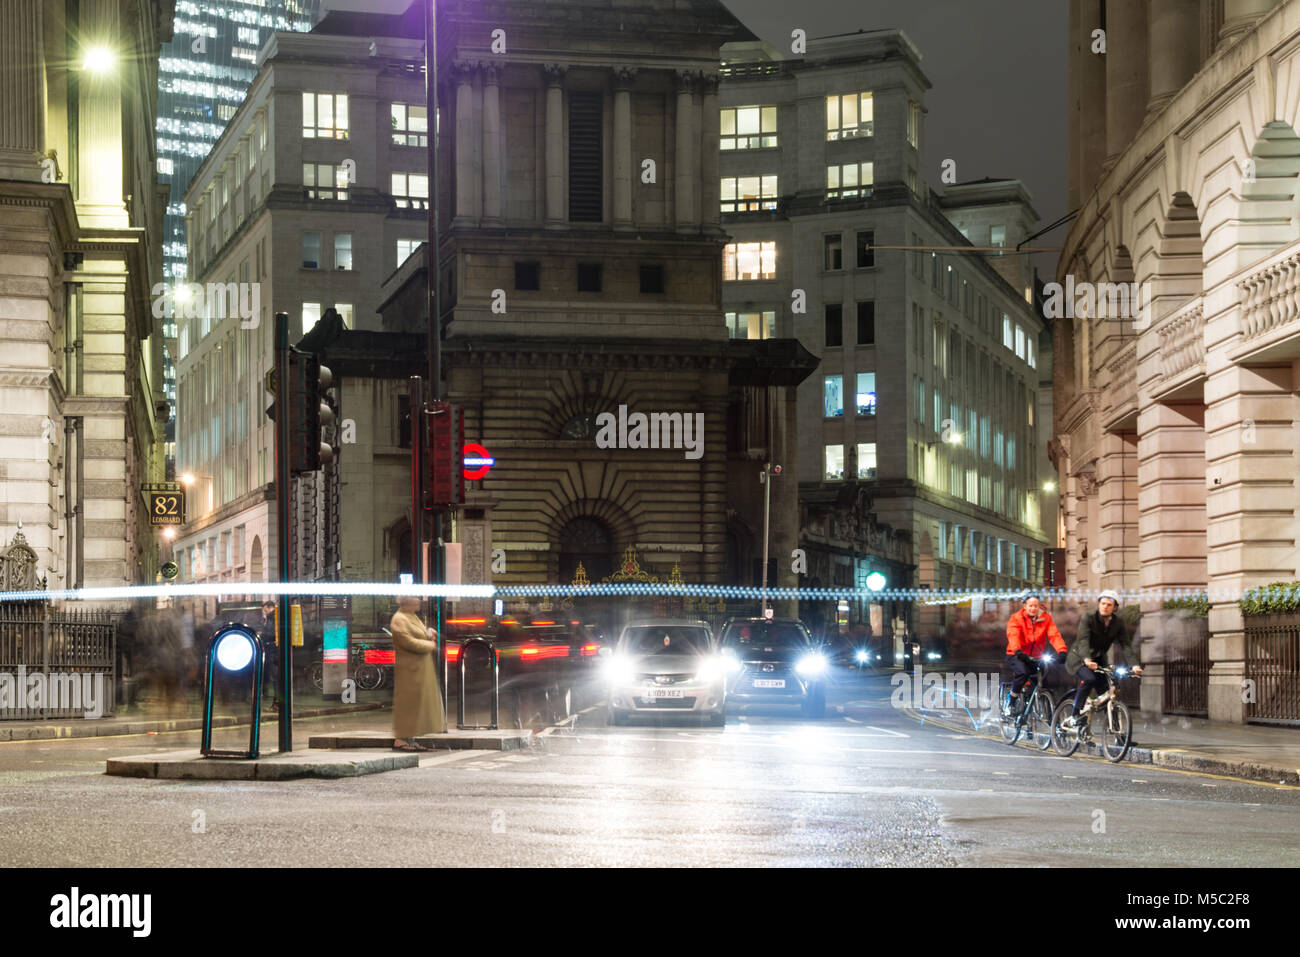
x=417 y=705
x=270 y=639
x=161 y=660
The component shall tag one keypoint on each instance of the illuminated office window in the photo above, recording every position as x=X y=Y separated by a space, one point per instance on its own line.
x=325 y=116
x=410 y=125
x=748 y=127
x=849 y=115
x=749 y=261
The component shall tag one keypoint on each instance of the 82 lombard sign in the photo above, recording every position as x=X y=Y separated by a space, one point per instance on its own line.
x=166 y=508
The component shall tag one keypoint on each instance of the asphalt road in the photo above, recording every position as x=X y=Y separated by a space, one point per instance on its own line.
x=865 y=786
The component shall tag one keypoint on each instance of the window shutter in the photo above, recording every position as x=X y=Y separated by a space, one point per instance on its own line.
x=586 y=200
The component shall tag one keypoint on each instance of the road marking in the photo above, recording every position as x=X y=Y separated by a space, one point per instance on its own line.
x=930 y=769
x=1137 y=780
x=892 y=734
x=1207 y=785
x=854 y=720
x=1003 y=773
x=1070 y=777
x=1160 y=799
x=453 y=756
x=1252 y=805
x=989 y=790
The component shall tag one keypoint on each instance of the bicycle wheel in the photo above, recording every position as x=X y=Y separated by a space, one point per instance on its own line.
x=1040 y=721
x=1064 y=740
x=1117 y=732
x=369 y=677
x=1007 y=724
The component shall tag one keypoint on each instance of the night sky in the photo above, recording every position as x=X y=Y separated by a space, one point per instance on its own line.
x=998 y=71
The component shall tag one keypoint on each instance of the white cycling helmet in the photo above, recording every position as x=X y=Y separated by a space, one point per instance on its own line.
x=1112 y=595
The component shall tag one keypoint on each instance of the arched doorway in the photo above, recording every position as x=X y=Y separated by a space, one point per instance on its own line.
x=255 y=570
x=586 y=540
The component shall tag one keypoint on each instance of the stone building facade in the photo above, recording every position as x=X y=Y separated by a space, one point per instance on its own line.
x=1177 y=420
x=82 y=409
x=927 y=393
x=315 y=193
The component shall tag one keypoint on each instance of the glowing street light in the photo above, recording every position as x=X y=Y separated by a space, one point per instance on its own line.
x=188 y=478
x=1049 y=486
x=955 y=438
x=98 y=59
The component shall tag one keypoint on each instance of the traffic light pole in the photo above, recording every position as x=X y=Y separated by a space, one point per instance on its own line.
x=436 y=574
x=283 y=475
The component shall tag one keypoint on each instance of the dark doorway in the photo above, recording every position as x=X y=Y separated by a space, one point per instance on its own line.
x=586 y=540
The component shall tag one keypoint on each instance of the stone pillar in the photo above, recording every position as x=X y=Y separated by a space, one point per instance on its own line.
x=1126 y=74
x=623 y=165
x=22 y=70
x=1091 y=144
x=1250 y=510
x=555 y=176
x=1175 y=48
x=686 y=158
x=492 y=146
x=100 y=148
x=711 y=204
x=713 y=476
x=1240 y=17
x=467 y=197
x=1117 y=512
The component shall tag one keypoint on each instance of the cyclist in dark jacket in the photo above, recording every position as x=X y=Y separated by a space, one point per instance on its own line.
x=1098 y=631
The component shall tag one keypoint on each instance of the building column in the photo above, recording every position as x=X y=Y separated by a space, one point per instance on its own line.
x=467 y=196
x=1171 y=524
x=784 y=445
x=1091 y=144
x=492 y=148
x=22 y=74
x=100 y=150
x=1240 y=17
x=686 y=158
x=710 y=119
x=1250 y=508
x=713 y=477
x=623 y=79
x=1127 y=52
x=555 y=217
x=1175 y=49
x=1117 y=512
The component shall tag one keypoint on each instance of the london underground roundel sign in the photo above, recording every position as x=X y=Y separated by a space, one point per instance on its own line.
x=477 y=461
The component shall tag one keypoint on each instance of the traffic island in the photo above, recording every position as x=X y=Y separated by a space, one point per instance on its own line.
x=311 y=763
x=504 y=740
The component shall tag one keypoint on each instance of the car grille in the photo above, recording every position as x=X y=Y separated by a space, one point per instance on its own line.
x=664 y=680
x=683 y=703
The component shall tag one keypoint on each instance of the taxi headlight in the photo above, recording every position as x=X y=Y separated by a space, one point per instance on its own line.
x=811 y=665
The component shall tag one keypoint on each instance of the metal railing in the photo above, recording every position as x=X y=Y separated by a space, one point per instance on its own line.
x=1273 y=666
x=69 y=646
x=1187 y=673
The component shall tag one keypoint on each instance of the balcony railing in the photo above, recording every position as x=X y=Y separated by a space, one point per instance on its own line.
x=1270 y=295
x=1182 y=340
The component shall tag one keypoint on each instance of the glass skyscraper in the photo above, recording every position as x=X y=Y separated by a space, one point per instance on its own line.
x=203 y=74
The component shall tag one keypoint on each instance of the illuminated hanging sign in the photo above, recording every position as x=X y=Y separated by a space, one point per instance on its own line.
x=477 y=461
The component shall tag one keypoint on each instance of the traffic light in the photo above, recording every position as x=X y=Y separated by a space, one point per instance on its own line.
x=446 y=424
x=310 y=407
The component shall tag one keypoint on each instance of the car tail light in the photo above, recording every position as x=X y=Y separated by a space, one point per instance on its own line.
x=508 y=621
x=380 y=656
x=453 y=652
x=590 y=649
x=543 y=622
x=467 y=621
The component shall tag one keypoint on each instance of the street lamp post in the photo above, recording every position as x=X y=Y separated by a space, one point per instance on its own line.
x=765 y=477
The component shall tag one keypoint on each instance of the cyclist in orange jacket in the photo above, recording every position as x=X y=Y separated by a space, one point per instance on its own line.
x=1029 y=631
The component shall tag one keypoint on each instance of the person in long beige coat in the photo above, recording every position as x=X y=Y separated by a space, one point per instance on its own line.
x=417 y=705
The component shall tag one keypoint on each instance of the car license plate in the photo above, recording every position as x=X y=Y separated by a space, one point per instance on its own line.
x=663 y=692
x=769 y=682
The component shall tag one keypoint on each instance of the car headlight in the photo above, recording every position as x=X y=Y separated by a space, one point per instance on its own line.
x=729 y=661
x=710 y=669
x=862 y=656
x=933 y=656
x=619 y=670
x=809 y=665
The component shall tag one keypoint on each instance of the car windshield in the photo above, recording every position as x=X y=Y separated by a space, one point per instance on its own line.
x=760 y=636
x=666 y=640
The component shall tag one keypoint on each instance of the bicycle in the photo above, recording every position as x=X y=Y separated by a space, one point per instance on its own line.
x=1116 y=728
x=1035 y=716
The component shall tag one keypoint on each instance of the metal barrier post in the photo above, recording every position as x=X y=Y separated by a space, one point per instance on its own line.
x=496 y=691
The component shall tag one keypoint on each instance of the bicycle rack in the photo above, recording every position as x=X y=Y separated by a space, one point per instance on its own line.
x=496 y=690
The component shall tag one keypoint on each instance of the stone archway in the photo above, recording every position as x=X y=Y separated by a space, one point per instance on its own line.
x=256 y=570
x=587 y=541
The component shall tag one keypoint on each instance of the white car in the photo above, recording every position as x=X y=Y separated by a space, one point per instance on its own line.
x=666 y=666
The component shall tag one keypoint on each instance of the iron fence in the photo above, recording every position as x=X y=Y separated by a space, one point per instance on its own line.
x=74 y=653
x=1187 y=673
x=1273 y=667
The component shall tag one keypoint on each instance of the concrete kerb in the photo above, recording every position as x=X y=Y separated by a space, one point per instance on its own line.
x=505 y=740
x=1174 y=760
x=189 y=765
x=84 y=728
